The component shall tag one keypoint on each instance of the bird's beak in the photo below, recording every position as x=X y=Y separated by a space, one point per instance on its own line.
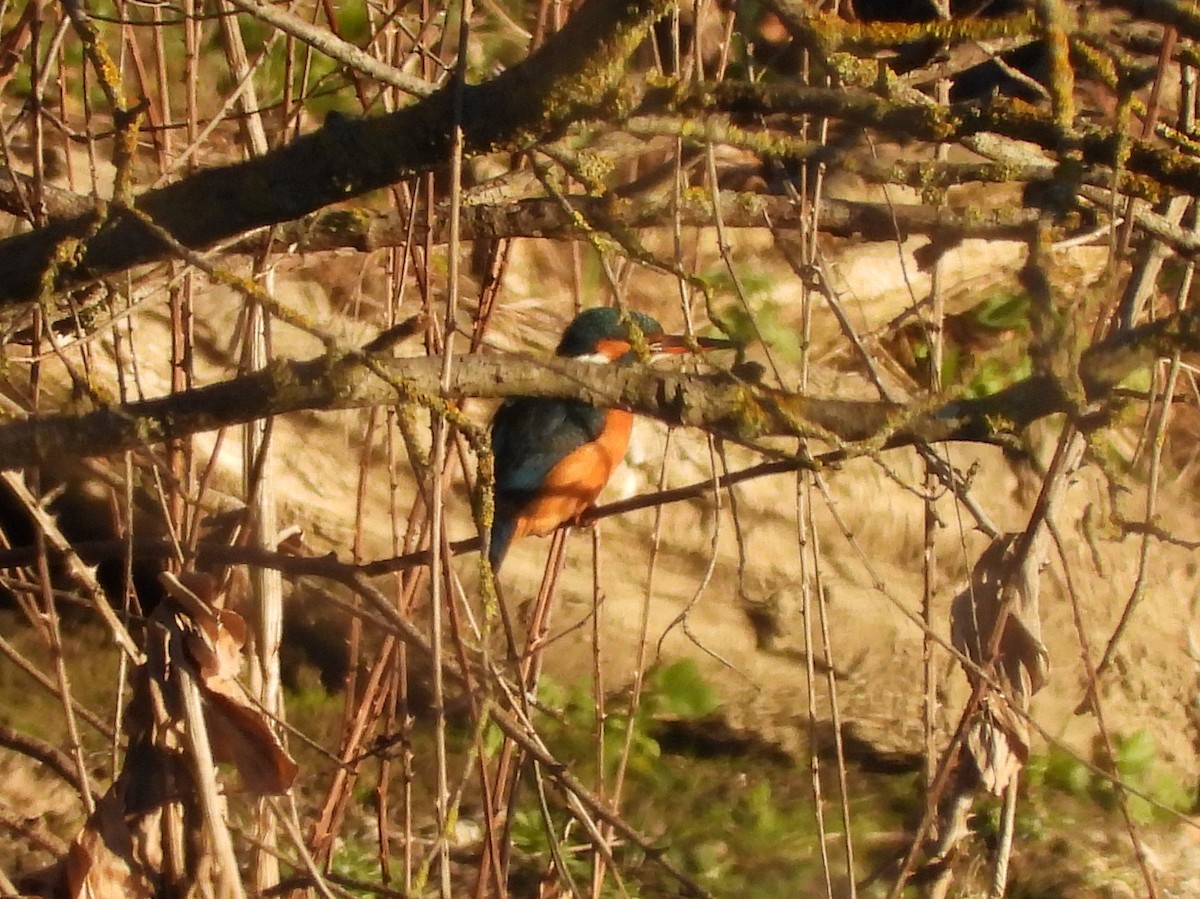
x=679 y=343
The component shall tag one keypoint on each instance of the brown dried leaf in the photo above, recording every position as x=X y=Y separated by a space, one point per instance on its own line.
x=215 y=645
x=1023 y=659
x=240 y=733
x=102 y=862
x=998 y=744
x=998 y=738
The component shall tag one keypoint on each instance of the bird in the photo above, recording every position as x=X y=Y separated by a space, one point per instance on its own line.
x=554 y=456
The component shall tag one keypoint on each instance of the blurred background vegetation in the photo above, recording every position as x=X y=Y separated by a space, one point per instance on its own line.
x=751 y=689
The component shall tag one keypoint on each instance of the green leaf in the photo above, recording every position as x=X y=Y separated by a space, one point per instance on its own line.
x=1136 y=754
x=683 y=692
x=1004 y=312
x=1067 y=773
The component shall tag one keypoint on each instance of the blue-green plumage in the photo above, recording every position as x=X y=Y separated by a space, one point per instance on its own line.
x=594 y=325
x=532 y=436
x=529 y=437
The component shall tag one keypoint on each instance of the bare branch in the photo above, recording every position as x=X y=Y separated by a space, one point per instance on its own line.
x=719 y=402
x=335 y=48
x=569 y=76
x=556 y=219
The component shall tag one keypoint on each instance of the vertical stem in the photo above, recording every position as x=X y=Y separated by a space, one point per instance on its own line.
x=229 y=885
x=810 y=581
x=1052 y=17
x=266 y=583
x=935 y=339
x=441 y=429
x=257 y=462
x=598 y=863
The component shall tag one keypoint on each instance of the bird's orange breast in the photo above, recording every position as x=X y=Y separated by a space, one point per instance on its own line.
x=573 y=484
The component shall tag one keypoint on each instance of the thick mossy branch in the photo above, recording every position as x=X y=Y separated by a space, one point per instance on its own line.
x=717 y=402
x=835 y=34
x=558 y=219
x=870 y=37
x=573 y=75
x=580 y=74
x=1165 y=166
x=826 y=34
x=1182 y=16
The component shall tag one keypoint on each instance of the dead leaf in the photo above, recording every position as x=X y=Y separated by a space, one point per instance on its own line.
x=998 y=737
x=998 y=744
x=240 y=732
x=103 y=862
x=1022 y=657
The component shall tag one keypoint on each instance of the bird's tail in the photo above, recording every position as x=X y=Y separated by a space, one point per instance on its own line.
x=503 y=528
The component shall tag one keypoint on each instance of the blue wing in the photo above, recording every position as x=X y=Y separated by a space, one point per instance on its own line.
x=529 y=437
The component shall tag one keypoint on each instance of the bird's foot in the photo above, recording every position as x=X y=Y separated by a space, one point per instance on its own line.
x=585 y=518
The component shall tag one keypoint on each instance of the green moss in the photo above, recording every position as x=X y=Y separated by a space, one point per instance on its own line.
x=738 y=818
x=1136 y=763
x=593 y=169
x=838 y=33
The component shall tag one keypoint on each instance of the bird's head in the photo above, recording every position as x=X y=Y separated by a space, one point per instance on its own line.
x=600 y=335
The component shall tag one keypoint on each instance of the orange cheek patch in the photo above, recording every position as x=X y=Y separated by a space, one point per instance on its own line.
x=573 y=484
x=612 y=349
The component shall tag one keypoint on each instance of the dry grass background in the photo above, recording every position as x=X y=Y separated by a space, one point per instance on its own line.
x=701 y=574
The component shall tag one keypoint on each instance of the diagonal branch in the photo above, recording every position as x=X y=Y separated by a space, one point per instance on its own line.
x=325 y=41
x=571 y=75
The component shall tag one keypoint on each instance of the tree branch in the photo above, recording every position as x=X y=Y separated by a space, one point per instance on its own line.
x=1183 y=17
x=717 y=402
x=558 y=219
x=325 y=41
x=833 y=34
x=1009 y=118
x=572 y=75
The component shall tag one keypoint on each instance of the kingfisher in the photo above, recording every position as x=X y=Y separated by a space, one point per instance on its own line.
x=552 y=456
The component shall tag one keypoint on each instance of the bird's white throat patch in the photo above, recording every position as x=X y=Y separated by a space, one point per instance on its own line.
x=594 y=358
x=601 y=359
